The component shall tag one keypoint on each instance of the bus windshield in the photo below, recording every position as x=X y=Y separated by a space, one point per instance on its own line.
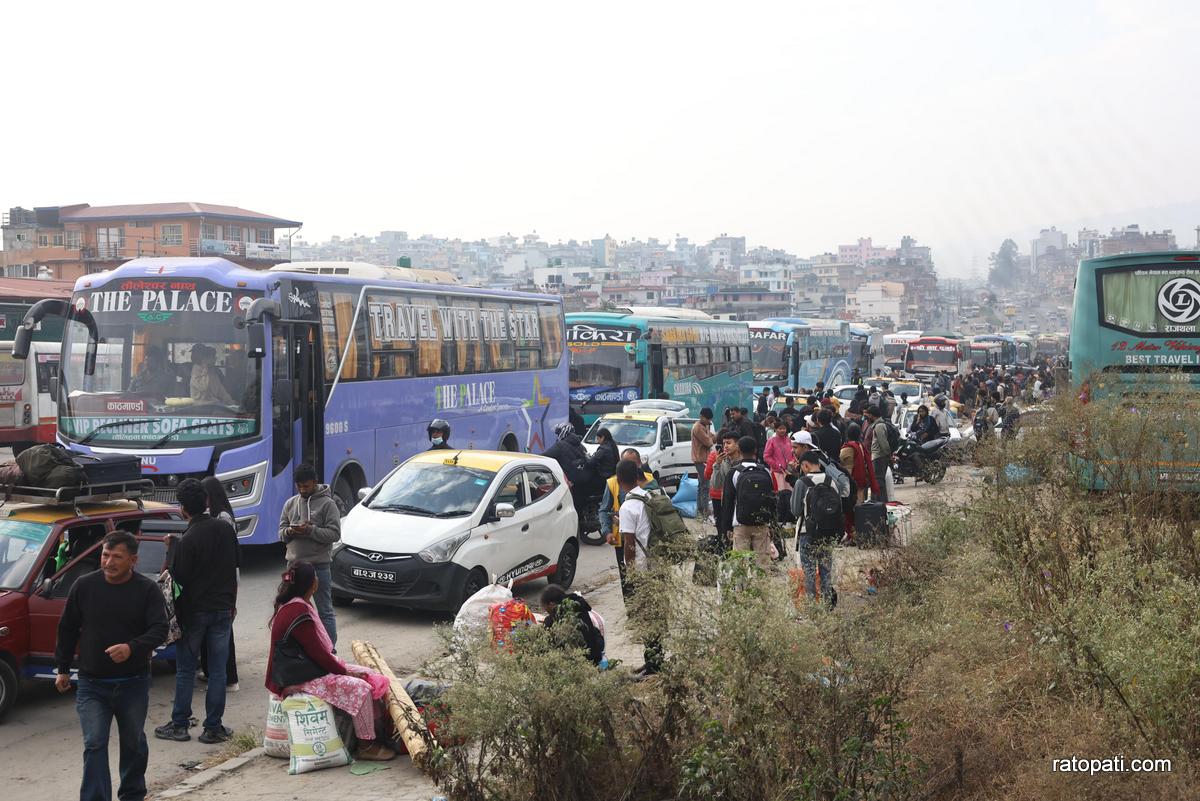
x=604 y=371
x=895 y=350
x=12 y=371
x=932 y=354
x=170 y=364
x=768 y=357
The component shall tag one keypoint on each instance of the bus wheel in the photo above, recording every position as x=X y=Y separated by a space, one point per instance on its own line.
x=343 y=496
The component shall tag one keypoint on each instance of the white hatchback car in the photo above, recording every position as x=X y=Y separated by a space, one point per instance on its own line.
x=662 y=439
x=445 y=523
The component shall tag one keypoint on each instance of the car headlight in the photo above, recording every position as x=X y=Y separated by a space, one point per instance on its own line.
x=443 y=550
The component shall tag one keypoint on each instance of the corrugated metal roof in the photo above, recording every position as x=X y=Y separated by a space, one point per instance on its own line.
x=160 y=210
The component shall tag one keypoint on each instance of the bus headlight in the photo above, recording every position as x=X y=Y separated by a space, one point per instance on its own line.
x=244 y=485
x=444 y=550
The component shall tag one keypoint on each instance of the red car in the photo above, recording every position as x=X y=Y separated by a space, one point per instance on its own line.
x=44 y=549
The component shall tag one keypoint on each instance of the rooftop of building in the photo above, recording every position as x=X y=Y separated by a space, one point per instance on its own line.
x=149 y=211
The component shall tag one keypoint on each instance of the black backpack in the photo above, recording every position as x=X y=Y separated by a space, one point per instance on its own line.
x=893 y=435
x=980 y=421
x=823 y=509
x=755 y=496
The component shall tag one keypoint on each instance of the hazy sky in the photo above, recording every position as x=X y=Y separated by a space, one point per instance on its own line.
x=801 y=125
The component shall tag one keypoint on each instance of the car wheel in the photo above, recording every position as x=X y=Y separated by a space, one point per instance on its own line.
x=476 y=581
x=342 y=600
x=343 y=496
x=564 y=572
x=8 y=687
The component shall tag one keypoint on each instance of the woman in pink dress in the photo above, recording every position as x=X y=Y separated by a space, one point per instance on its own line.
x=349 y=688
x=777 y=454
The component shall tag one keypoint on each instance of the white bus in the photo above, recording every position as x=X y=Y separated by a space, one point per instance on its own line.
x=895 y=348
x=28 y=410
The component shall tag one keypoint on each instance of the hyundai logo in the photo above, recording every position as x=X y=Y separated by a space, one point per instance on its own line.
x=375 y=557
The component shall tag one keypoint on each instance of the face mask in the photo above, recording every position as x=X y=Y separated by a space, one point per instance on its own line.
x=436 y=440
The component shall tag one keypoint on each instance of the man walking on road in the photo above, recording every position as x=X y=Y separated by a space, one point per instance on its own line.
x=702 y=444
x=205 y=567
x=748 y=503
x=310 y=524
x=116 y=617
x=880 y=448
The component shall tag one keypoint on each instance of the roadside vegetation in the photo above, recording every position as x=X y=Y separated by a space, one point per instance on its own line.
x=1040 y=621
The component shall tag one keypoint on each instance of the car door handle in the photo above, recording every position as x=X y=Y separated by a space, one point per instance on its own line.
x=525 y=527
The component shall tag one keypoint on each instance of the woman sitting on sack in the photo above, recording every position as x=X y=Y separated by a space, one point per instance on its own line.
x=350 y=689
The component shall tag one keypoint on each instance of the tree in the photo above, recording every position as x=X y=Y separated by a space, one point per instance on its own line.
x=1003 y=272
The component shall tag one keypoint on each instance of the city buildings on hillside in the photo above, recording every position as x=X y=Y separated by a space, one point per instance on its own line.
x=66 y=242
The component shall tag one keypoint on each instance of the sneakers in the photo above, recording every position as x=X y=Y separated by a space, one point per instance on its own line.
x=233 y=687
x=213 y=736
x=169 y=731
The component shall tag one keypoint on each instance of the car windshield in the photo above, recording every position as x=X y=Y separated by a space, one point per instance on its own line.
x=170 y=359
x=433 y=490
x=20 y=544
x=625 y=432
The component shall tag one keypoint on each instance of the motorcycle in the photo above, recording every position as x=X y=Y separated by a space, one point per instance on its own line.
x=588 y=510
x=922 y=462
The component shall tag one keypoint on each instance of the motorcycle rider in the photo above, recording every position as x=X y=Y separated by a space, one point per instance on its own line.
x=941 y=416
x=570 y=454
x=439 y=435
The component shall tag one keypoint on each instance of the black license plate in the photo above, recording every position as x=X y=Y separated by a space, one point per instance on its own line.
x=371 y=574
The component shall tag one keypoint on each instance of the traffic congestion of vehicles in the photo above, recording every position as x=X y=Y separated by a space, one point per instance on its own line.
x=197 y=367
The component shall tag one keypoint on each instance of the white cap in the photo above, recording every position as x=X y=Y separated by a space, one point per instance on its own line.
x=803 y=438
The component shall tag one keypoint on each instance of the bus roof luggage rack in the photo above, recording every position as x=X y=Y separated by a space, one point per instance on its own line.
x=84 y=493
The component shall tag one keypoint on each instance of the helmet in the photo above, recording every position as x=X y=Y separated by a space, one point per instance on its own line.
x=562 y=429
x=439 y=425
x=940 y=400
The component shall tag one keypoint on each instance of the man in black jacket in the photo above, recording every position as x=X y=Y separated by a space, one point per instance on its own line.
x=825 y=436
x=205 y=566
x=116 y=617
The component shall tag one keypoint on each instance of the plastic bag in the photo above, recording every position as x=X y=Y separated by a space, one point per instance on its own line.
x=685 y=497
x=275 y=733
x=314 y=743
x=506 y=616
x=473 y=616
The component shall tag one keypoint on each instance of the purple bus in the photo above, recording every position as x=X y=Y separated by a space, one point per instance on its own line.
x=208 y=368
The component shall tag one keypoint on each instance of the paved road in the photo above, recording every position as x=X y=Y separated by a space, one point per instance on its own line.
x=40 y=738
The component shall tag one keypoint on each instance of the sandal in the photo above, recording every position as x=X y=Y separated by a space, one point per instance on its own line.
x=375 y=752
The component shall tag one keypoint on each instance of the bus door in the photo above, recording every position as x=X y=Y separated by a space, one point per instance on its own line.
x=299 y=416
x=656 y=388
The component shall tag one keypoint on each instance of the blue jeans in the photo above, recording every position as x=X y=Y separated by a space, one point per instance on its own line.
x=202 y=630
x=814 y=556
x=323 y=600
x=97 y=703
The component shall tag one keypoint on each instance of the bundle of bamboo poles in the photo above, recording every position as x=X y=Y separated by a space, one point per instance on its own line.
x=400 y=706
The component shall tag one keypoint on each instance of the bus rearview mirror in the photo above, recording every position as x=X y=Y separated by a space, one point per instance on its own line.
x=256 y=341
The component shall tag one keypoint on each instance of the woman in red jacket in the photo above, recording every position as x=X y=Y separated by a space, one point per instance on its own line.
x=350 y=689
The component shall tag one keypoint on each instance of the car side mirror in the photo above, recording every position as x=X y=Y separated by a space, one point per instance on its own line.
x=505 y=511
x=363 y=493
x=46 y=589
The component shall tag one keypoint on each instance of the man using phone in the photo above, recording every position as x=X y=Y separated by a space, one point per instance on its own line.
x=310 y=524
x=116 y=617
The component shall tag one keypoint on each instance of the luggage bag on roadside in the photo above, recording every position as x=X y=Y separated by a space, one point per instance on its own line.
x=870 y=523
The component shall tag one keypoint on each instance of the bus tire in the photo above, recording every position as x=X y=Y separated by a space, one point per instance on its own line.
x=8 y=687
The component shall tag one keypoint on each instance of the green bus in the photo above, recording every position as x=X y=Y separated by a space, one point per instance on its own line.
x=632 y=354
x=1135 y=335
